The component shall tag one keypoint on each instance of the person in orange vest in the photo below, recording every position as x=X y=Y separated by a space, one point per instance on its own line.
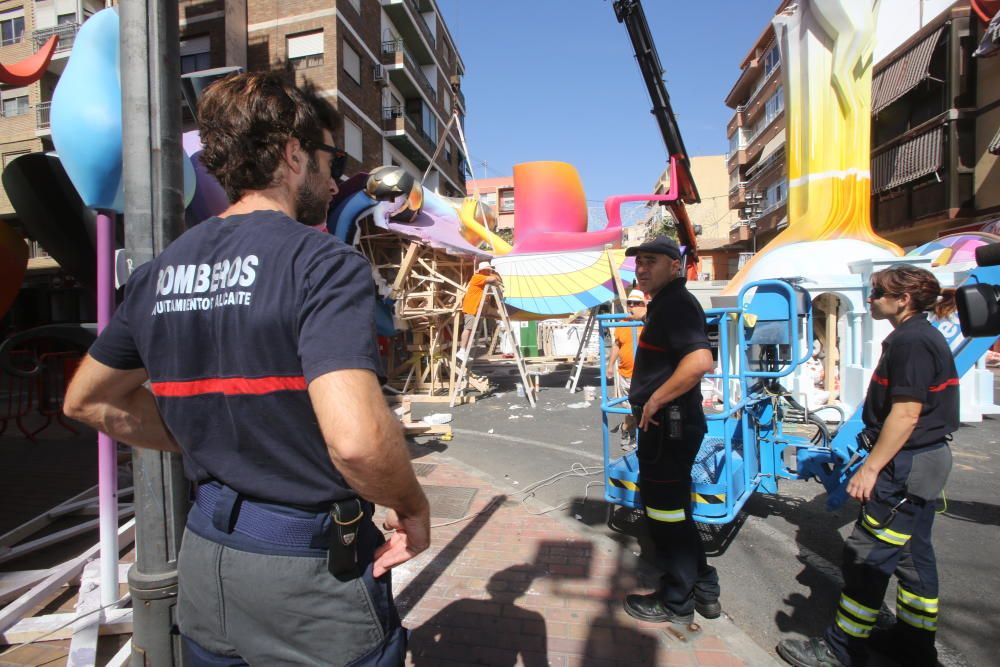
x=485 y=275
x=623 y=352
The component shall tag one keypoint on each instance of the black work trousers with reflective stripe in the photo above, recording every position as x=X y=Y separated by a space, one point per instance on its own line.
x=893 y=536
x=665 y=488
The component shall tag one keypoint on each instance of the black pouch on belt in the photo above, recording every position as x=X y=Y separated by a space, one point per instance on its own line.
x=342 y=555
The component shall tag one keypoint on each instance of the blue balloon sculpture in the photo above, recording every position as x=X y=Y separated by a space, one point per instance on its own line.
x=86 y=113
x=86 y=116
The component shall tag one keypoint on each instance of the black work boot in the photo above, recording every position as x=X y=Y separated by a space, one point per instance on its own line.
x=708 y=608
x=649 y=608
x=814 y=652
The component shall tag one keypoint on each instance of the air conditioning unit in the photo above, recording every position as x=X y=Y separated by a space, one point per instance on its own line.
x=378 y=74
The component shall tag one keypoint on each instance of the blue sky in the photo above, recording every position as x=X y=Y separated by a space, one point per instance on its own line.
x=557 y=80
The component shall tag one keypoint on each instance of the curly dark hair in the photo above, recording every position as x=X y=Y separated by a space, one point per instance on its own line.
x=923 y=288
x=245 y=121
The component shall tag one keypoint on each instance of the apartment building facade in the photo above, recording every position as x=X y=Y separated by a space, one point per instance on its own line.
x=934 y=115
x=390 y=67
x=758 y=181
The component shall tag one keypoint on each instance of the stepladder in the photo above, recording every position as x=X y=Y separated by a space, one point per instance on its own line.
x=463 y=358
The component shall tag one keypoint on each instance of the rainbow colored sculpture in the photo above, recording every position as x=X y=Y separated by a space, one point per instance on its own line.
x=954 y=250
x=826 y=54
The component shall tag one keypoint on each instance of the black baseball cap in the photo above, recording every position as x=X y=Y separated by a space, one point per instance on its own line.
x=661 y=245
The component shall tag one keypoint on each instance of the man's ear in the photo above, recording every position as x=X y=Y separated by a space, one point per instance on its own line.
x=293 y=155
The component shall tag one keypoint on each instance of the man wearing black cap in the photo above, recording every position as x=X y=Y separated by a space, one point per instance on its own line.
x=673 y=356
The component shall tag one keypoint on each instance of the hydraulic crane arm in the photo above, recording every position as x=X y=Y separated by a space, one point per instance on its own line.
x=631 y=14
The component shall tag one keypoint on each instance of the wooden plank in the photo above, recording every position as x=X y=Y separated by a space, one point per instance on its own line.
x=13 y=584
x=420 y=428
x=405 y=266
x=8 y=554
x=30 y=527
x=619 y=287
x=83 y=644
x=57 y=627
x=123 y=656
x=71 y=569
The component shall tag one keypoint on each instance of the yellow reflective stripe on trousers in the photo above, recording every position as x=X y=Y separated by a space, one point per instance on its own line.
x=858 y=609
x=852 y=627
x=668 y=516
x=929 y=605
x=883 y=534
x=916 y=620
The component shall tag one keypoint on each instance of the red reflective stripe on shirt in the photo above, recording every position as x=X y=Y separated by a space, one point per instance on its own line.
x=953 y=382
x=229 y=386
x=880 y=380
x=649 y=346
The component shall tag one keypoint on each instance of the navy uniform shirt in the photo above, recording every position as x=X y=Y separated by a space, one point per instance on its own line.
x=232 y=321
x=916 y=363
x=675 y=327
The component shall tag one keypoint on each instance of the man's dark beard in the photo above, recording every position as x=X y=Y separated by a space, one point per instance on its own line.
x=310 y=207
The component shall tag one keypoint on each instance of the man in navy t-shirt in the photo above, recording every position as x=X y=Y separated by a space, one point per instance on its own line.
x=287 y=435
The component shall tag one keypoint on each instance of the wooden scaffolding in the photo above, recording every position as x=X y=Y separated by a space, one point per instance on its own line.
x=427 y=285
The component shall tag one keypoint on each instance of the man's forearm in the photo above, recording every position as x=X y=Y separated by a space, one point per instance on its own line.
x=383 y=474
x=132 y=418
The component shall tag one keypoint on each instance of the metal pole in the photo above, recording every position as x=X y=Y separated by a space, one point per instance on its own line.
x=107 y=463
x=154 y=208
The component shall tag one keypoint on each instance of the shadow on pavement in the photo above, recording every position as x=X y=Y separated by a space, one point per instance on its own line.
x=973 y=511
x=519 y=637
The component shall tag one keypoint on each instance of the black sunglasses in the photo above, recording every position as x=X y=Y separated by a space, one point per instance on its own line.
x=635 y=303
x=339 y=157
x=879 y=292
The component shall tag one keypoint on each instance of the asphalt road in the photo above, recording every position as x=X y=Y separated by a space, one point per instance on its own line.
x=779 y=562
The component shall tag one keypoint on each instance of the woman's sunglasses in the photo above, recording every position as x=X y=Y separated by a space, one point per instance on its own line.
x=879 y=292
x=634 y=303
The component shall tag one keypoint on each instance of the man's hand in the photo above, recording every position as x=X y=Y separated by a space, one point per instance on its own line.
x=861 y=485
x=649 y=411
x=412 y=536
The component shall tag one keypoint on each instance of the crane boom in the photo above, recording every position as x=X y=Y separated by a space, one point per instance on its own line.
x=631 y=15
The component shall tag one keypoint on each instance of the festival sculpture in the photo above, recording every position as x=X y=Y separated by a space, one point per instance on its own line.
x=826 y=54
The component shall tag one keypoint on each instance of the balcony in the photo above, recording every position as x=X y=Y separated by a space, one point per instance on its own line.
x=66 y=33
x=460 y=98
x=405 y=135
x=737 y=194
x=740 y=232
x=405 y=15
x=42 y=111
x=404 y=71
x=67 y=36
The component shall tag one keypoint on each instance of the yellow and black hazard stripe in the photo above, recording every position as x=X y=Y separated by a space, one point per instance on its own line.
x=709 y=498
x=623 y=484
x=703 y=498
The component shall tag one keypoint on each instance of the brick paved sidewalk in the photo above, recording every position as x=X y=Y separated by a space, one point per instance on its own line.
x=508 y=587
